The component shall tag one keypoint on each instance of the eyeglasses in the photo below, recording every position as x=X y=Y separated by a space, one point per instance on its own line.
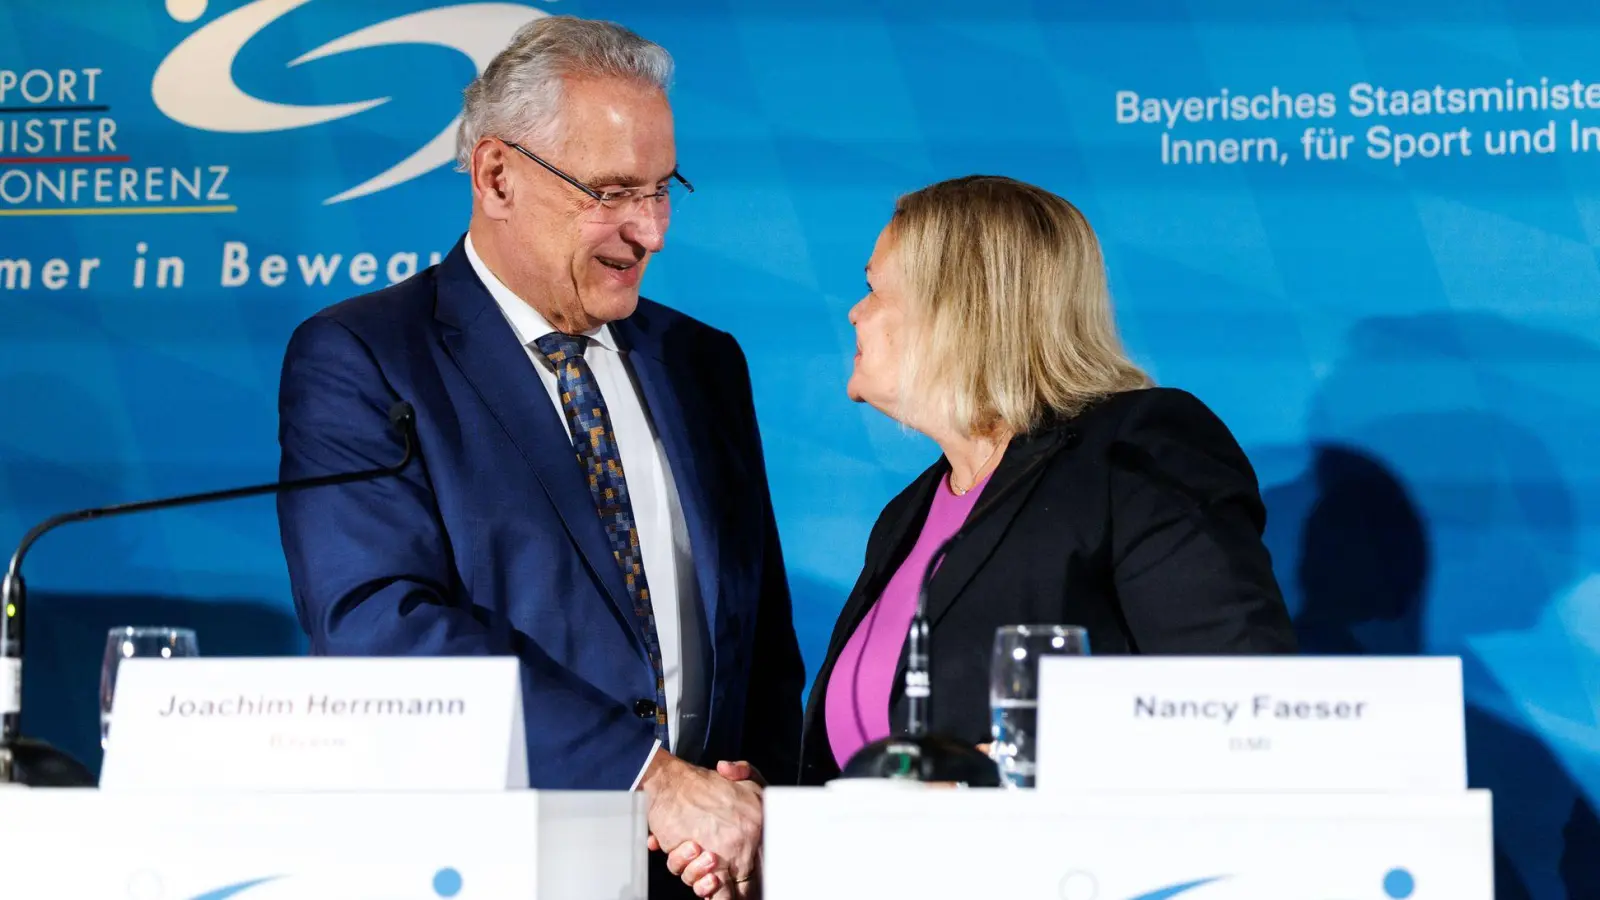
x=616 y=203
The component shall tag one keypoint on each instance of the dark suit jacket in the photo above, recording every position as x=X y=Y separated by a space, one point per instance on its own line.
x=1140 y=519
x=490 y=544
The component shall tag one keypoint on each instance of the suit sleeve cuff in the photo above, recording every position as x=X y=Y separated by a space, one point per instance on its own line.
x=652 y=755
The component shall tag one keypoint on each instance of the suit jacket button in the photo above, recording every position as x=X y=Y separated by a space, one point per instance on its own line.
x=644 y=709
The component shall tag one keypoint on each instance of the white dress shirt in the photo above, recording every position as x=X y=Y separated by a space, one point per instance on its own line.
x=663 y=534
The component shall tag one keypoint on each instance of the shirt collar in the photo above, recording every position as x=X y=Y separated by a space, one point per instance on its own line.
x=526 y=321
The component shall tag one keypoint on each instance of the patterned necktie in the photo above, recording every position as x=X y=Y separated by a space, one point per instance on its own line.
x=596 y=445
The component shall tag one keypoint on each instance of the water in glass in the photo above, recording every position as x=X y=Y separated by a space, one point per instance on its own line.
x=1014 y=693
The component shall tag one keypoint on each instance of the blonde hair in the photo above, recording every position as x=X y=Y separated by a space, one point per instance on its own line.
x=1008 y=310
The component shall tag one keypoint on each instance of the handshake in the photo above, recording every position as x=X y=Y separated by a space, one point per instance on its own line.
x=709 y=824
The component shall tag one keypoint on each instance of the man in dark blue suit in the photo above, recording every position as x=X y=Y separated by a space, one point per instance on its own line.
x=591 y=495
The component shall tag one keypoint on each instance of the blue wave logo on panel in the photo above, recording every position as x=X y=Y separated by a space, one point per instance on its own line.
x=447 y=883
x=1173 y=890
x=1398 y=884
x=194 y=84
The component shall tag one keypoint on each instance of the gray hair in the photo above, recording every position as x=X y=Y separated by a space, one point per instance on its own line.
x=519 y=95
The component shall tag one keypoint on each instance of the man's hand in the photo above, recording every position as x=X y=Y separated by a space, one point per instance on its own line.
x=688 y=861
x=711 y=823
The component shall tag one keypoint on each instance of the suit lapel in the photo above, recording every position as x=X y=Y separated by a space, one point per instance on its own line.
x=1003 y=497
x=672 y=406
x=485 y=348
x=678 y=411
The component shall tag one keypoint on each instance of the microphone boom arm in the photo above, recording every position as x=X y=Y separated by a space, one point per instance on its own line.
x=13 y=572
x=13 y=592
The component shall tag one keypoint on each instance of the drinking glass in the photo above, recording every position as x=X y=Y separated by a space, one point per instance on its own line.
x=1014 y=693
x=129 y=641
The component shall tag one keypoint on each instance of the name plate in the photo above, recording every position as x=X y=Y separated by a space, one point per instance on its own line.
x=1279 y=723
x=317 y=723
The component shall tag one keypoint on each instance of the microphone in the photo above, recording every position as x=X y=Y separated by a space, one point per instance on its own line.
x=915 y=754
x=18 y=753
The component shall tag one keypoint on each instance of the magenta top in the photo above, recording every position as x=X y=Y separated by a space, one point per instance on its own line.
x=857 y=703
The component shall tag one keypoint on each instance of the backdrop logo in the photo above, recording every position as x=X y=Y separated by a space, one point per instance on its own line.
x=194 y=85
x=1398 y=884
x=446 y=883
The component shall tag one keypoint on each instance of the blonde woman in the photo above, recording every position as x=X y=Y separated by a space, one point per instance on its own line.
x=1118 y=506
x=1094 y=498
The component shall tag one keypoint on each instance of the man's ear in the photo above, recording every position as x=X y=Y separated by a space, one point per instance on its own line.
x=491 y=178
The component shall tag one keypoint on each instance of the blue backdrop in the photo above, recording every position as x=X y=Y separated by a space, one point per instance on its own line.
x=1306 y=218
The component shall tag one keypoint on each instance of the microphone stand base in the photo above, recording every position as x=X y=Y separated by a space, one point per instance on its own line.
x=930 y=758
x=34 y=763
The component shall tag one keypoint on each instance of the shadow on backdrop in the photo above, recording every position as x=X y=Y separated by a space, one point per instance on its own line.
x=1432 y=494
x=67 y=636
x=816 y=604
